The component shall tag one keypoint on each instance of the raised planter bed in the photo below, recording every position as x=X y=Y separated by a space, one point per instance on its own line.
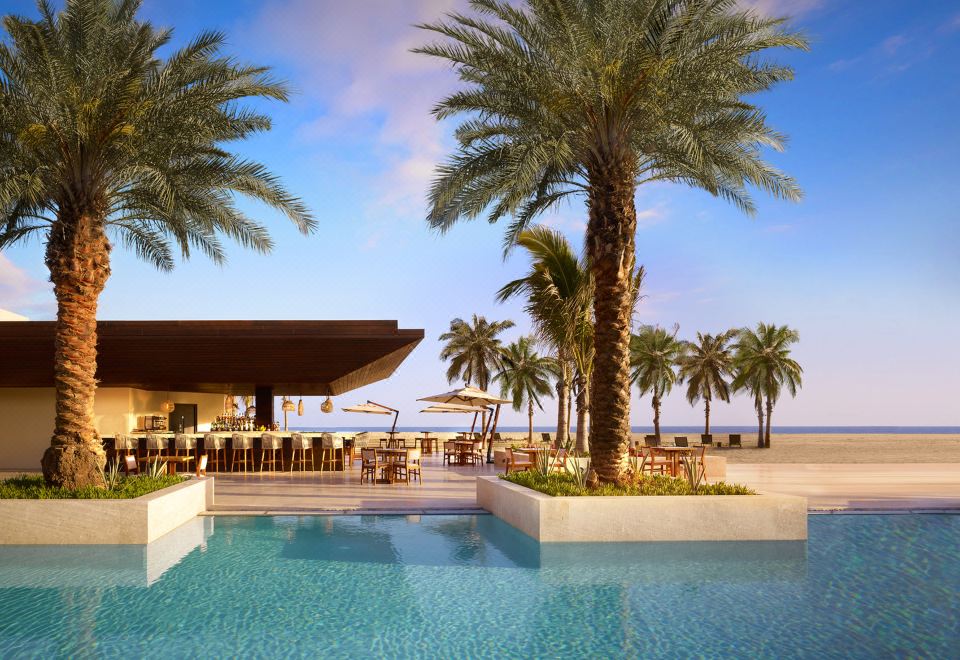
x=716 y=466
x=763 y=517
x=115 y=522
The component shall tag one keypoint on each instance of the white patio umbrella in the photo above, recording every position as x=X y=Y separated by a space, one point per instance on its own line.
x=473 y=396
x=372 y=408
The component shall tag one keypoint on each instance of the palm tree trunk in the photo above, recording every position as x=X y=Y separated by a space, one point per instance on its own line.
x=563 y=393
x=766 y=441
x=706 y=412
x=610 y=245
x=530 y=422
x=570 y=398
x=656 y=417
x=78 y=258
x=758 y=404
x=583 y=415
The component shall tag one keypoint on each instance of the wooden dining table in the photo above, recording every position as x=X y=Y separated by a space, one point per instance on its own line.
x=390 y=455
x=464 y=447
x=675 y=454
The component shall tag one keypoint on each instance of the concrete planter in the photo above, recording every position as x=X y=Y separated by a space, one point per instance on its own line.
x=716 y=466
x=764 y=517
x=112 y=522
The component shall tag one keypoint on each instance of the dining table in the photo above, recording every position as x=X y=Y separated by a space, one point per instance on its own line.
x=427 y=443
x=389 y=455
x=463 y=447
x=675 y=454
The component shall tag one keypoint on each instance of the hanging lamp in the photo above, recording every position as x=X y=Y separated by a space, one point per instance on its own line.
x=327 y=405
x=167 y=406
x=300 y=406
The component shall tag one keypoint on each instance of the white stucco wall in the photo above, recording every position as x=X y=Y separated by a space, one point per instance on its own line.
x=26 y=417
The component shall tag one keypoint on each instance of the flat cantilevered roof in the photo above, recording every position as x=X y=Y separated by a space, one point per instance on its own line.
x=292 y=357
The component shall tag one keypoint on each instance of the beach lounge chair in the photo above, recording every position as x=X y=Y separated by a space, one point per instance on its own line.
x=651 y=441
x=680 y=441
x=706 y=439
x=516 y=462
x=545 y=437
x=735 y=440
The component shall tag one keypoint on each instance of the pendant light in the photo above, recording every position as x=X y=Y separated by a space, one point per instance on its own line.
x=327 y=406
x=287 y=405
x=300 y=407
x=167 y=406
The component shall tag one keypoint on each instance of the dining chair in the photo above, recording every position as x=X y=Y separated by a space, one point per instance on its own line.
x=370 y=464
x=449 y=451
x=516 y=462
x=302 y=449
x=215 y=447
x=654 y=461
x=202 y=466
x=476 y=453
x=384 y=443
x=130 y=465
x=273 y=444
x=242 y=446
x=407 y=465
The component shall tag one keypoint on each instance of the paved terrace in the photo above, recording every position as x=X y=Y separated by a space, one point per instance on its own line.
x=921 y=486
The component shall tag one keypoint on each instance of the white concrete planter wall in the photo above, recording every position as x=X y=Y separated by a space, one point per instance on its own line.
x=716 y=466
x=764 y=517
x=81 y=522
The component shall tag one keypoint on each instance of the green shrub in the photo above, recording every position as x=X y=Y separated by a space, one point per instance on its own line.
x=35 y=488
x=556 y=484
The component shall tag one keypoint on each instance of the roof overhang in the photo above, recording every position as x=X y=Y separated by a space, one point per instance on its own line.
x=294 y=357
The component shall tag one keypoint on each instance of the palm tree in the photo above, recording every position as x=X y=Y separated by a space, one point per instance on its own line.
x=593 y=98
x=525 y=377
x=102 y=141
x=559 y=294
x=705 y=366
x=764 y=367
x=474 y=350
x=654 y=354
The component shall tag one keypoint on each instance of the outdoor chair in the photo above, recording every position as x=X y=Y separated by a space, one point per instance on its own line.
x=449 y=452
x=651 y=441
x=656 y=461
x=270 y=446
x=477 y=453
x=680 y=441
x=130 y=465
x=214 y=445
x=408 y=465
x=328 y=451
x=384 y=443
x=516 y=462
x=545 y=437
x=497 y=438
x=559 y=460
x=242 y=446
x=185 y=445
x=302 y=449
x=370 y=465
x=202 y=466
x=735 y=441
x=706 y=439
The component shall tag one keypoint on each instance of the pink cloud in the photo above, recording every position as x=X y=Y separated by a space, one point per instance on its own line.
x=23 y=294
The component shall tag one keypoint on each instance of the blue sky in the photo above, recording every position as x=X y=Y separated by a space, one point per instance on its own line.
x=866 y=267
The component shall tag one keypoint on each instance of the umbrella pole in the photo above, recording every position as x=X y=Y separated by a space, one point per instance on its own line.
x=394 y=429
x=496 y=418
x=474 y=425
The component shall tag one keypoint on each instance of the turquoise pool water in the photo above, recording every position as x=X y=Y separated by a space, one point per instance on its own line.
x=471 y=586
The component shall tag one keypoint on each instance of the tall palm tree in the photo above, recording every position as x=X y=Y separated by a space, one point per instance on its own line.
x=593 y=98
x=525 y=377
x=654 y=354
x=764 y=366
x=474 y=350
x=103 y=141
x=559 y=292
x=705 y=366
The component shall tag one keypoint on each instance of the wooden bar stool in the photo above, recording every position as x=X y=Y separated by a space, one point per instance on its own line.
x=185 y=445
x=215 y=448
x=304 y=446
x=242 y=447
x=271 y=443
x=125 y=445
x=157 y=446
x=328 y=451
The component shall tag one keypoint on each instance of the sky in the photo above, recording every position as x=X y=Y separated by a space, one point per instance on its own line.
x=866 y=267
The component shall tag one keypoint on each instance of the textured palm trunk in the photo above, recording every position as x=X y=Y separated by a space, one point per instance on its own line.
x=706 y=413
x=656 y=417
x=530 y=422
x=78 y=257
x=610 y=244
x=563 y=393
x=766 y=440
x=583 y=416
x=759 y=407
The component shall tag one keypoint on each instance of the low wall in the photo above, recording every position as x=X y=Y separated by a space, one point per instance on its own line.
x=764 y=517
x=108 y=522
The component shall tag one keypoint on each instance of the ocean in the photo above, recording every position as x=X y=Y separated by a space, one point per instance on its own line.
x=799 y=430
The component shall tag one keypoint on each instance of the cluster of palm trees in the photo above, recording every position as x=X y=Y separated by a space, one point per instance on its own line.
x=756 y=361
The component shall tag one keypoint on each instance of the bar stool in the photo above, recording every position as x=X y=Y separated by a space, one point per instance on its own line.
x=271 y=443
x=328 y=451
x=302 y=444
x=214 y=445
x=157 y=446
x=242 y=445
x=125 y=445
x=186 y=444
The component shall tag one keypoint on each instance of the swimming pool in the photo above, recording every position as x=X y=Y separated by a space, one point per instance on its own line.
x=472 y=586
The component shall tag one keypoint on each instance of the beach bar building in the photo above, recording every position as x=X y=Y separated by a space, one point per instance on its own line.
x=144 y=366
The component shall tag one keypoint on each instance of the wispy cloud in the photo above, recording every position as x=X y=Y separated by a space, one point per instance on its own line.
x=23 y=294
x=782 y=7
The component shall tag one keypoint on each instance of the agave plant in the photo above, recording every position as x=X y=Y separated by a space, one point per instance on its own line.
x=156 y=468
x=693 y=471
x=111 y=476
x=576 y=471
